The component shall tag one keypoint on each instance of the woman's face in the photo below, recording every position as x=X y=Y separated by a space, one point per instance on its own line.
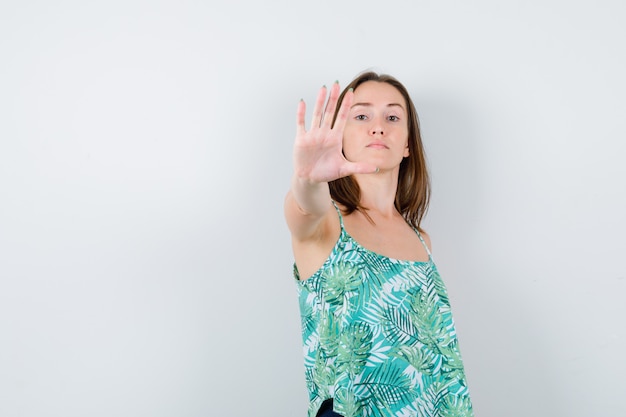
x=377 y=127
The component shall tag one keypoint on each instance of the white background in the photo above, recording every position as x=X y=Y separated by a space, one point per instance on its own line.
x=145 y=150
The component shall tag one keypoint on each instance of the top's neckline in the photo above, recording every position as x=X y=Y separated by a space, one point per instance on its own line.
x=380 y=255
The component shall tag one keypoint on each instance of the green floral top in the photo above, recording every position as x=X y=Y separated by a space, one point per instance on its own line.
x=379 y=337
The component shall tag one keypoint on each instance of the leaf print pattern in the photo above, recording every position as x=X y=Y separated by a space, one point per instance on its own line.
x=379 y=338
x=387 y=386
x=355 y=343
x=341 y=280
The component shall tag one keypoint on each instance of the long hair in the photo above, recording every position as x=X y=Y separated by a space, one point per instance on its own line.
x=413 y=193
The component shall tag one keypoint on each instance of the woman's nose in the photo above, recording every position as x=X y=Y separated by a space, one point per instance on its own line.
x=376 y=127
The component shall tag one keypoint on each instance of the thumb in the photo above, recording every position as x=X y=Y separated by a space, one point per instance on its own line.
x=360 y=168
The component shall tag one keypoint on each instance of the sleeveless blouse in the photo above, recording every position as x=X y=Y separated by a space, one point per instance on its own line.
x=378 y=336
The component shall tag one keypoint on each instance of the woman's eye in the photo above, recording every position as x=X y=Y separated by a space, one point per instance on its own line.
x=393 y=118
x=361 y=117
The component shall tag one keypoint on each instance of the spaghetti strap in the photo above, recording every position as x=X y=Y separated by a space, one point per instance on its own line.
x=423 y=243
x=340 y=216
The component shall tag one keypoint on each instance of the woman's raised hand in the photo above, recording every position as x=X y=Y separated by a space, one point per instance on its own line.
x=318 y=155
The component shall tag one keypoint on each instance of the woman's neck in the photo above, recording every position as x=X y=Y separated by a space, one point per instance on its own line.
x=378 y=192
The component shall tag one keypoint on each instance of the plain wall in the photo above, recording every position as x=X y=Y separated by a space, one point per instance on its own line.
x=145 y=151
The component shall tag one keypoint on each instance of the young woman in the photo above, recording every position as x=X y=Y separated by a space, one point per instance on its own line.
x=378 y=333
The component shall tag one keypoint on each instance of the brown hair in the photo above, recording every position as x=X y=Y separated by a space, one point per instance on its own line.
x=413 y=193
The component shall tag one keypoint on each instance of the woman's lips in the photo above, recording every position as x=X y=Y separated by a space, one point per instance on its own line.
x=377 y=145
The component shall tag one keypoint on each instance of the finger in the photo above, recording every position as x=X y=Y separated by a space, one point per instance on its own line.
x=350 y=168
x=319 y=107
x=300 y=129
x=331 y=105
x=344 y=110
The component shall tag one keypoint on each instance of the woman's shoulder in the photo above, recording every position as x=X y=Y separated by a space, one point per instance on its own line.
x=313 y=248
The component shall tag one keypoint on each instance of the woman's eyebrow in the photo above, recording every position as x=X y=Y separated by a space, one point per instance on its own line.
x=365 y=104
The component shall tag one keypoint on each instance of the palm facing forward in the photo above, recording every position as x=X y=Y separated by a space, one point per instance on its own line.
x=317 y=154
